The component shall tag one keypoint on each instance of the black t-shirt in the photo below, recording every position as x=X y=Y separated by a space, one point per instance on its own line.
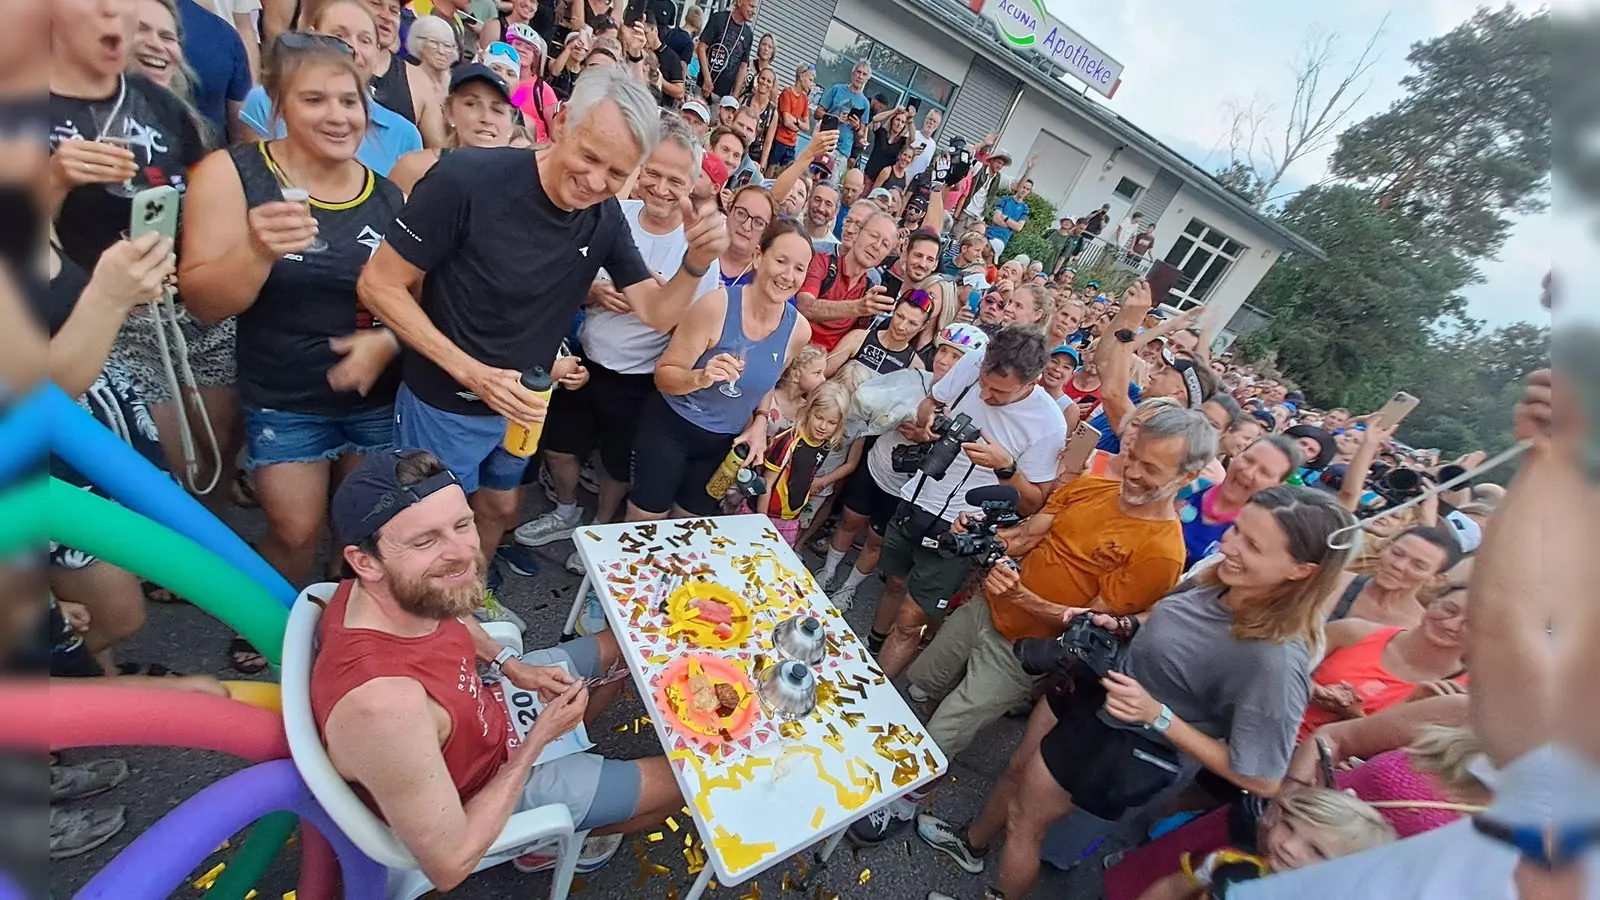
x=681 y=42
x=918 y=192
x=884 y=152
x=671 y=72
x=166 y=143
x=506 y=268
x=727 y=45
x=309 y=298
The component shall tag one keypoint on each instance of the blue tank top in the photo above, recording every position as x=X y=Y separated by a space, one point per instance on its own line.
x=715 y=411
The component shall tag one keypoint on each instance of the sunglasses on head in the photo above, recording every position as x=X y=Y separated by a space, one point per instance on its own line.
x=920 y=299
x=305 y=40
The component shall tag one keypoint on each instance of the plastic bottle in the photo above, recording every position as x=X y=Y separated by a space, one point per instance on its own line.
x=522 y=440
x=727 y=472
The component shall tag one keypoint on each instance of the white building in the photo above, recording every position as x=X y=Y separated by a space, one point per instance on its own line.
x=943 y=54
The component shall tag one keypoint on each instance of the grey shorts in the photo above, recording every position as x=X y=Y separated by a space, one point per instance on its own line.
x=209 y=346
x=597 y=790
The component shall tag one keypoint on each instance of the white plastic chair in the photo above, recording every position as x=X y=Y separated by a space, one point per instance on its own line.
x=524 y=830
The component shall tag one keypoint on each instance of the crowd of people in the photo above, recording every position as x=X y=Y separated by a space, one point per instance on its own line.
x=402 y=222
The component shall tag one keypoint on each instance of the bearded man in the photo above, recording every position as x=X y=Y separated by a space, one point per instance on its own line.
x=397 y=695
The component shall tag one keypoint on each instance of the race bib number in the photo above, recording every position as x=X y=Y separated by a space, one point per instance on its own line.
x=522 y=712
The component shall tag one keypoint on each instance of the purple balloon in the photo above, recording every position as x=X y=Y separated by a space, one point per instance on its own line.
x=158 y=861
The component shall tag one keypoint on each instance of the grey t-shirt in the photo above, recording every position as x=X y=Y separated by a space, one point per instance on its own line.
x=1250 y=694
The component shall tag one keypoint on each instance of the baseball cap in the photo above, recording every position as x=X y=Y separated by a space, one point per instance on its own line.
x=823 y=164
x=997 y=245
x=880 y=194
x=699 y=109
x=1091 y=284
x=729 y=102
x=715 y=169
x=478 y=72
x=1469 y=534
x=372 y=495
x=963 y=337
x=526 y=34
x=1068 y=350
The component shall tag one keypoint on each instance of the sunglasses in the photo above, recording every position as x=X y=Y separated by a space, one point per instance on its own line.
x=920 y=299
x=301 y=41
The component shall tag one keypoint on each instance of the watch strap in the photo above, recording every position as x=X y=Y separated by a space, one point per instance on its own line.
x=497 y=665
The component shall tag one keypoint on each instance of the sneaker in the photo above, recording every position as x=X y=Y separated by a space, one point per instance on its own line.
x=596 y=852
x=518 y=559
x=882 y=824
x=74 y=832
x=548 y=528
x=938 y=834
x=574 y=563
x=493 y=611
x=843 y=598
x=86 y=779
x=592 y=618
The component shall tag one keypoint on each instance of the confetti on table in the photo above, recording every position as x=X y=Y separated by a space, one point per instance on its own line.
x=816 y=819
x=739 y=855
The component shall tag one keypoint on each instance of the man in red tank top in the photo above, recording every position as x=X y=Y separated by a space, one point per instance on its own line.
x=397 y=695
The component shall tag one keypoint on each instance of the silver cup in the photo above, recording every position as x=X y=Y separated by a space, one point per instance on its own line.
x=788 y=690
x=801 y=638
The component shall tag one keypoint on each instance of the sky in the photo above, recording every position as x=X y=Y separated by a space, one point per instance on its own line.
x=1184 y=61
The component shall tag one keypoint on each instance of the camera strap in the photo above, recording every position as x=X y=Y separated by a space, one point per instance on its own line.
x=922 y=478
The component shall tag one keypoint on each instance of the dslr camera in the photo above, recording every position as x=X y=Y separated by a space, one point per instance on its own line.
x=997 y=509
x=933 y=459
x=953 y=165
x=1395 y=484
x=1086 y=643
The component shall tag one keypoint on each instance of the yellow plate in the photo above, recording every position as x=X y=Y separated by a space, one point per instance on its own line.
x=684 y=621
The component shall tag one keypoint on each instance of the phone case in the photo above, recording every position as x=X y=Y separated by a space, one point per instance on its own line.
x=155 y=210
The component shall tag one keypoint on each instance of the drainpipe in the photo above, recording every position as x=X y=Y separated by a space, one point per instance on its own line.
x=1016 y=100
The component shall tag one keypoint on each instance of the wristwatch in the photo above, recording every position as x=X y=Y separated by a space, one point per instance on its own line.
x=497 y=666
x=1124 y=335
x=1005 y=473
x=1163 y=720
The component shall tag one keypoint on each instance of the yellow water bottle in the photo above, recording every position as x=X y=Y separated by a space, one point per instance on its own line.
x=522 y=440
x=727 y=472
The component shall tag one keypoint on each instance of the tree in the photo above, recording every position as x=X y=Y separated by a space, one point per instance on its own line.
x=1258 y=161
x=1342 y=324
x=1470 y=140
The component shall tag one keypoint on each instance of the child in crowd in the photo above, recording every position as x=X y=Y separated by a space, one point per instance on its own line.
x=804 y=374
x=796 y=455
x=843 y=459
x=1302 y=827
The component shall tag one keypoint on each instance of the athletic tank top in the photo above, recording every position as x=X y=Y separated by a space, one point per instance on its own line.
x=393 y=89
x=715 y=411
x=893 y=181
x=282 y=345
x=1348 y=599
x=1361 y=666
x=445 y=663
x=880 y=359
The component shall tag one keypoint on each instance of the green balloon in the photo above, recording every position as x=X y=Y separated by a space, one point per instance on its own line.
x=23 y=512
x=83 y=521
x=260 y=848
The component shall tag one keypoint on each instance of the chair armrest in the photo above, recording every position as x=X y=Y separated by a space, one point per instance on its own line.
x=505 y=634
x=533 y=826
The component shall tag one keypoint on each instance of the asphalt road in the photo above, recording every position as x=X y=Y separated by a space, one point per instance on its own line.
x=187 y=640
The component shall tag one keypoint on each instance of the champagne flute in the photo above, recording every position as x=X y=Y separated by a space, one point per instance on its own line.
x=292 y=194
x=116 y=128
x=731 y=388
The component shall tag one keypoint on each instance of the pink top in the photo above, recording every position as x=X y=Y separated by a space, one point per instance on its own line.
x=523 y=98
x=1389 y=776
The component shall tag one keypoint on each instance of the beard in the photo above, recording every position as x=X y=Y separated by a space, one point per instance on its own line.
x=1164 y=492
x=421 y=597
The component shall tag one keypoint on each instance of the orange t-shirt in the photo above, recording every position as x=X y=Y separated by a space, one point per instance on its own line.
x=795 y=104
x=1094 y=551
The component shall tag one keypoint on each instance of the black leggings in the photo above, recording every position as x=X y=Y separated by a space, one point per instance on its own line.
x=673 y=459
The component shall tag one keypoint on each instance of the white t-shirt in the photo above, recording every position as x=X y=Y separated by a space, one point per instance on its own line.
x=622 y=342
x=924 y=159
x=1032 y=430
x=980 y=199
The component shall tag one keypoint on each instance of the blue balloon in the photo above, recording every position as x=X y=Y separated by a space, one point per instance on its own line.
x=116 y=468
x=24 y=439
x=158 y=861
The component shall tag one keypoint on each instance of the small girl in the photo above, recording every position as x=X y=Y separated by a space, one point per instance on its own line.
x=795 y=455
x=1302 y=827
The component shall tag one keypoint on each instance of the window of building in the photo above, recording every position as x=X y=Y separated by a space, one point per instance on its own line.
x=1128 y=188
x=896 y=77
x=1203 y=254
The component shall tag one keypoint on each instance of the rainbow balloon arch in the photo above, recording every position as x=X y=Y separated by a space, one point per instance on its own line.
x=162 y=534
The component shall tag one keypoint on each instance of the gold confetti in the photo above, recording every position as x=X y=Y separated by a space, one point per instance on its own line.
x=816 y=819
x=655 y=837
x=204 y=882
x=672 y=824
x=289 y=895
x=786 y=883
x=251 y=895
x=739 y=855
x=672 y=892
x=621 y=728
x=753 y=894
x=864 y=877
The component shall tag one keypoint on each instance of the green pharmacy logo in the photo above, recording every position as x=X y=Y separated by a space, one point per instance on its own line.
x=1019 y=21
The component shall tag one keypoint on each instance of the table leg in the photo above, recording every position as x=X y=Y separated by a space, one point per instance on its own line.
x=832 y=844
x=700 y=884
x=570 y=630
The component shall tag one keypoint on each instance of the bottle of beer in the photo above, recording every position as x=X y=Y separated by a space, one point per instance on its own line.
x=522 y=440
x=727 y=472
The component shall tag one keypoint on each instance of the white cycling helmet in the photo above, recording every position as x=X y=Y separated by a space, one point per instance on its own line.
x=964 y=337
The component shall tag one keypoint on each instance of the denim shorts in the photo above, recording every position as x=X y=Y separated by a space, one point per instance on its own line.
x=273 y=436
x=469 y=446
